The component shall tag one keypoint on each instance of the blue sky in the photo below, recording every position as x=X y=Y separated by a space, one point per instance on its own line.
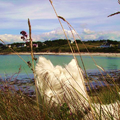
x=88 y=17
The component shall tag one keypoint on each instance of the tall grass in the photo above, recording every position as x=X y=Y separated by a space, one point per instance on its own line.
x=103 y=103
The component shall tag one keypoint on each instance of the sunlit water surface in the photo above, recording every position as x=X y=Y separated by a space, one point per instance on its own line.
x=10 y=64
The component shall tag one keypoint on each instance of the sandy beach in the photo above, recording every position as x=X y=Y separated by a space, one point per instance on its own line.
x=82 y=53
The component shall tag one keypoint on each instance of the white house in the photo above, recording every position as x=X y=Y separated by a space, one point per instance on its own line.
x=106 y=45
x=9 y=46
x=35 y=45
x=72 y=42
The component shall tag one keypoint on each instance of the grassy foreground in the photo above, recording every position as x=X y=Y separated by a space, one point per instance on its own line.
x=15 y=105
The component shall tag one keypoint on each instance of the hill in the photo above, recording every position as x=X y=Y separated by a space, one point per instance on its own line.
x=61 y=45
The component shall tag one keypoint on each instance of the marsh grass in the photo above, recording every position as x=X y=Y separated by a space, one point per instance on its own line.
x=14 y=106
x=104 y=95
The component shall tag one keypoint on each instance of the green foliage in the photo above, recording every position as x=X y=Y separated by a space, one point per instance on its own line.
x=105 y=95
x=56 y=42
x=14 y=106
x=61 y=45
x=64 y=111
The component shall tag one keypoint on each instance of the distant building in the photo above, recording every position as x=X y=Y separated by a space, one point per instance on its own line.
x=9 y=46
x=106 y=45
x=23 y=45
x=71 y=42
x=35 y=45
x=43 y=44
x=14 y=45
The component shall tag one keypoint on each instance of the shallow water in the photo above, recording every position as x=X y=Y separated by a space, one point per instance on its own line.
x=10 y=64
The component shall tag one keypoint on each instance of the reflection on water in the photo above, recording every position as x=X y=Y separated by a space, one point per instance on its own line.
x=113 y=63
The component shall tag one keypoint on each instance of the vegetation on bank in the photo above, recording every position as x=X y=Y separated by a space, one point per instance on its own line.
x=17 y=105
x=61 y=45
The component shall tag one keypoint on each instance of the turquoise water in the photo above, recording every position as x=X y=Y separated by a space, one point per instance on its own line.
x=10 y=64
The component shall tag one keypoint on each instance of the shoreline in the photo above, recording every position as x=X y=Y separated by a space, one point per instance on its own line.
x=66 y=53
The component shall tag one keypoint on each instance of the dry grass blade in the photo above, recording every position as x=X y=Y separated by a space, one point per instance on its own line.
x=2 y=41
x=114 y=14
x=32 y=56
x=100 y=68
x=50 y=1
x=62 y=18
x=63 y=29
x=31 y=45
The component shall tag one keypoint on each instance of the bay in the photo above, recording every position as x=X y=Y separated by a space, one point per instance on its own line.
x=10 y=64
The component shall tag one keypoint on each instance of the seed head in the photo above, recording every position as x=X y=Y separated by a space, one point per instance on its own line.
x=50 y=1
x=61 y=18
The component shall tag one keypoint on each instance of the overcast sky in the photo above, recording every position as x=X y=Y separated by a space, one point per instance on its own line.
x=88 y=17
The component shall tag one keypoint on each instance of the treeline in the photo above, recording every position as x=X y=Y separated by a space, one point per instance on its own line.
x=61 y=45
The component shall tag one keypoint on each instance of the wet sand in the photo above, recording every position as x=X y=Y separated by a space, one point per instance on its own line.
x=66 y=53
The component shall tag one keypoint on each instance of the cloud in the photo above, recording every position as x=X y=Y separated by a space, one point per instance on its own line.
x=37 y=9
x=112 y=35
x=87 y=31
x=27 y=9
x=89 y=37
x=8 y=38
x=54 y=34
x=83 y=25
x=5 y=4
x=80 y=14
x=59 y=34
